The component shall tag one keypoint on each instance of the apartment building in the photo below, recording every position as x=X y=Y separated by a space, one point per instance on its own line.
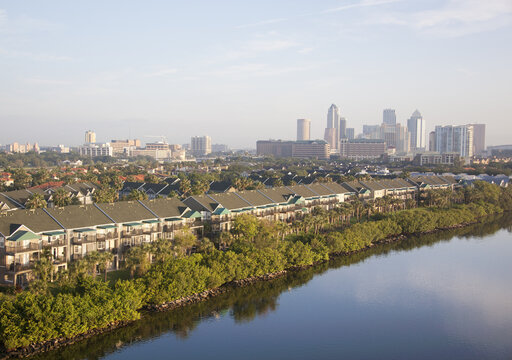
x=72 y=232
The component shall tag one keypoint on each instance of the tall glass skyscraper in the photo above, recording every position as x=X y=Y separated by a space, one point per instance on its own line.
x=417 y=129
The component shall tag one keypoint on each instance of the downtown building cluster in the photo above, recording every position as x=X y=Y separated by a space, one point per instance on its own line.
x=390 y=139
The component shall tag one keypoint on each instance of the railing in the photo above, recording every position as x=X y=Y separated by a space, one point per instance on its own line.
x=15 y=267
x=84 y=240
x=20 y=248
x=108 y=236
x=55 y=243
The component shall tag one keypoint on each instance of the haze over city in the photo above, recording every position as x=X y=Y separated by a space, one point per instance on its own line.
x=246 y=71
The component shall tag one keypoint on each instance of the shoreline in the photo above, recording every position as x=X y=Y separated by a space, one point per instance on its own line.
x=57 y=343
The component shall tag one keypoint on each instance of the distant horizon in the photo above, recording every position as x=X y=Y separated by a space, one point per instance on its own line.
x=241 y=72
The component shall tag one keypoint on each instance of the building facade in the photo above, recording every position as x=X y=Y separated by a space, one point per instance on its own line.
x=418 y=132
x=201 y=145
x=303 y=129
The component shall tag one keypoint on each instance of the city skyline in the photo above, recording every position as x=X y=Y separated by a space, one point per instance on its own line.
x=142 y=69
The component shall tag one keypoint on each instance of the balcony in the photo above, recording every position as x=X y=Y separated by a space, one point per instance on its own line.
x=55 y=243
x=20 y=249
x=16 y=267
x=84 y=240
x=108 y=236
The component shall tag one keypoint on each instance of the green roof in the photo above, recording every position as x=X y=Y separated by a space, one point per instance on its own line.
x=54 y=233
x=84 y=230
x=223 y=211
x=132 y=224
x=23 y=235
x=296 y=200
x=104 y=227
x=173 y=219
x=192 y=214
x=154 y=221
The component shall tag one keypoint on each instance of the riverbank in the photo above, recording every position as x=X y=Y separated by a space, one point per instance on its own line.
x=204 y=295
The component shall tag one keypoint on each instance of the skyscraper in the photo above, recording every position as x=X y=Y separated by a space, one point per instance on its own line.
x=333 y=122
x=417 y=129
x=303 y=129
x=396 y=136
x=478 y=138
x=343 y=128
x=350 y=133
x=389 y=117
x=201 y=145
x=90 y=137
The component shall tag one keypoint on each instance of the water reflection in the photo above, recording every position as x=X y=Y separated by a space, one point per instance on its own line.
x=243 y=305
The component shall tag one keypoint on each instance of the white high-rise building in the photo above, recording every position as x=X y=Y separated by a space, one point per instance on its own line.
x=389 y=117
x=90 y=137
x=418 y=131
x=303 y=129
x=457 y=139
x=201 y=145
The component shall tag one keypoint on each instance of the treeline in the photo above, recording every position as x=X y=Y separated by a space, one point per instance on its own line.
x=86 y=302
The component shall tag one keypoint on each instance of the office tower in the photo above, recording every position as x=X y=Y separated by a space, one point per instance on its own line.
x=396 y=136
x=303 y=129
x=333 y=122
x=457 y=139
x=201 y=145
x=276 y=148
x=90 y=137
x=432 y=141
x=350 y=133
x=371 y=131
x=417 y=129
x=389 y=117
x=343 y=128
x=478 y=138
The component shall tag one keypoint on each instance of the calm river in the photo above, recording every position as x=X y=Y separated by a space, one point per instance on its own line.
x=445 y=296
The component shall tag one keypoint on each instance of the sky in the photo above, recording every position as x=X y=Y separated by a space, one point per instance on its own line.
x=245 y=70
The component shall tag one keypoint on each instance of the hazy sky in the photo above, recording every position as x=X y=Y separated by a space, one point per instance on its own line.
x=246 y=70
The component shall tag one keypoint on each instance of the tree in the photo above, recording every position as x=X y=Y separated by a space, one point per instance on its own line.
x=184 y=241
x=21 y=179
x=40 y=177
x=62 y=198
x=185 y=187
x=137 y=260
x=105 y=194
x=245 y=226
x=36 y=201
x=104 y=259
x=151 y=179
x=43 y=272
x=137 y=195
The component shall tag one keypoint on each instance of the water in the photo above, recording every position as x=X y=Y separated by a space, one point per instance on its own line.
x=446 y=296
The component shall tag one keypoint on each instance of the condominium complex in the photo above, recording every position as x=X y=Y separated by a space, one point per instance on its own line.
x=318 y=149
x=94 y=150
x=201 y=145
x=303 y=129
x=362 y=149
x=457 y=139
x=478 y=138
x=90 y=137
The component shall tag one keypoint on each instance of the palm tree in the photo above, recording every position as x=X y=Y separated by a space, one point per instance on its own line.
x=36 y=201
x=104 y=259
x=137 y=260
x=61 y=198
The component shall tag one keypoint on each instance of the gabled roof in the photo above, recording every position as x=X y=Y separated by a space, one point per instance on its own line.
x=337 y=188
x=79 y=216
x=255 y=198
x=279 y=194
x=303 y=191
x=201 y=203
x=126 y=211
x=21 y=235
x=166 y=208
x=36 y=220
x=230 y=201
x=220 y=186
